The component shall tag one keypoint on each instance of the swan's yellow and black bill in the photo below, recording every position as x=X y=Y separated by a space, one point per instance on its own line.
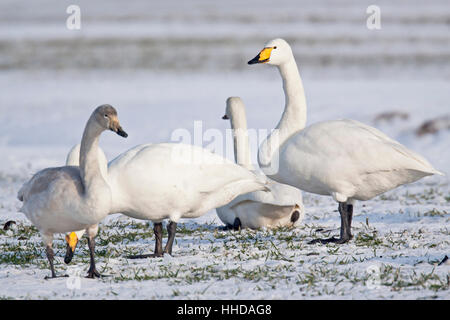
x=114 y=125
x=72 y=240
x=225 y=117
x=262 y=57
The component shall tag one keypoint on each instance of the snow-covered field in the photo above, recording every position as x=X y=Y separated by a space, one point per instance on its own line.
x=165 y=66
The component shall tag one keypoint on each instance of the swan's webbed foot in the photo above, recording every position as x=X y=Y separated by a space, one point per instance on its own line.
x=54 y=276
x=235 y=226
x=93 y=273
x=226 y=227
x=50 y=256
x=346 y=212
x=145 y=256
x=330 y=240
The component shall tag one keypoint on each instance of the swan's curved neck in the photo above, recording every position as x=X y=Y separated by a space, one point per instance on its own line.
x=240 y=137
x=294 y=115
x=89 y=162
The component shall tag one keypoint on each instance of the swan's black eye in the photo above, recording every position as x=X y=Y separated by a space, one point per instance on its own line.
x=106 y=116
x=275 y=47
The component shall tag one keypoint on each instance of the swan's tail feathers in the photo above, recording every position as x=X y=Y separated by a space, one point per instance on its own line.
x=438 y=172
x=22 y=195
x=231 y=191
x=22 y=191
x=264 y=183
x=261 y=178
x=73 y=157
x=246 y=186
x=431 y=171
x=417 y=162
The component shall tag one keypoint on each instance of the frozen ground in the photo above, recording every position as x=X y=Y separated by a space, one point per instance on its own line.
x=165 y=68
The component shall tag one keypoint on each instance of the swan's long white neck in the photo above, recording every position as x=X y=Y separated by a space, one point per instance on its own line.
x=294 y=115
x=240 y=136
x=89 y=162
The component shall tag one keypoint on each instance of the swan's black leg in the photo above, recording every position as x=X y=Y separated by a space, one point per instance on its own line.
x=157 y=228
x=237 y=224
x=350 y=217
x=171 y=229
x=50 y=256
x=92 y=272
x=346 y=220
x=346 y=212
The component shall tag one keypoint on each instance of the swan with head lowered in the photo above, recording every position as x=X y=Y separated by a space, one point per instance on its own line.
x=281 y=206
x=58 y=200
x=170 y=181
x=345 y=159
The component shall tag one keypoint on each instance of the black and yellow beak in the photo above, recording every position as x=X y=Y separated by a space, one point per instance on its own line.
x=115 y=126
x=121 y=132
x=262 y=57
x=225 y=117
x=72 y=240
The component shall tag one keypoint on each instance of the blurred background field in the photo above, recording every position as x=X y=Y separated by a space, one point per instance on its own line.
x=178 y=61
x=202 y=35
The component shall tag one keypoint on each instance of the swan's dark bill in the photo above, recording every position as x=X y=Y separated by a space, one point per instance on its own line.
x=71 y=241
x=121 y=132
x=256 y=60
x=295 y=216
x=8 y=225
x=262 y=57
x=69 y=255
x=444 y=261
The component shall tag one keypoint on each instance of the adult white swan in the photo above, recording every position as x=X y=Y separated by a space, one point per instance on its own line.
x=282 y=206
x=344 y=159
x=62 y=199
x=170 y=181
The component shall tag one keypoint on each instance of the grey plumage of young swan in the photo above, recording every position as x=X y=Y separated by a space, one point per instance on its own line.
x=61 y=199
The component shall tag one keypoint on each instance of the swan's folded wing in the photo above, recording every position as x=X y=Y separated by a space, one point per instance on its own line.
x=354 y=147
x=278 y=195
x=416 y=161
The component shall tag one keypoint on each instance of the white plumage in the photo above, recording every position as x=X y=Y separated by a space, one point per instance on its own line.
x=173 y=181
x=345 y=159
x=282 y=206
